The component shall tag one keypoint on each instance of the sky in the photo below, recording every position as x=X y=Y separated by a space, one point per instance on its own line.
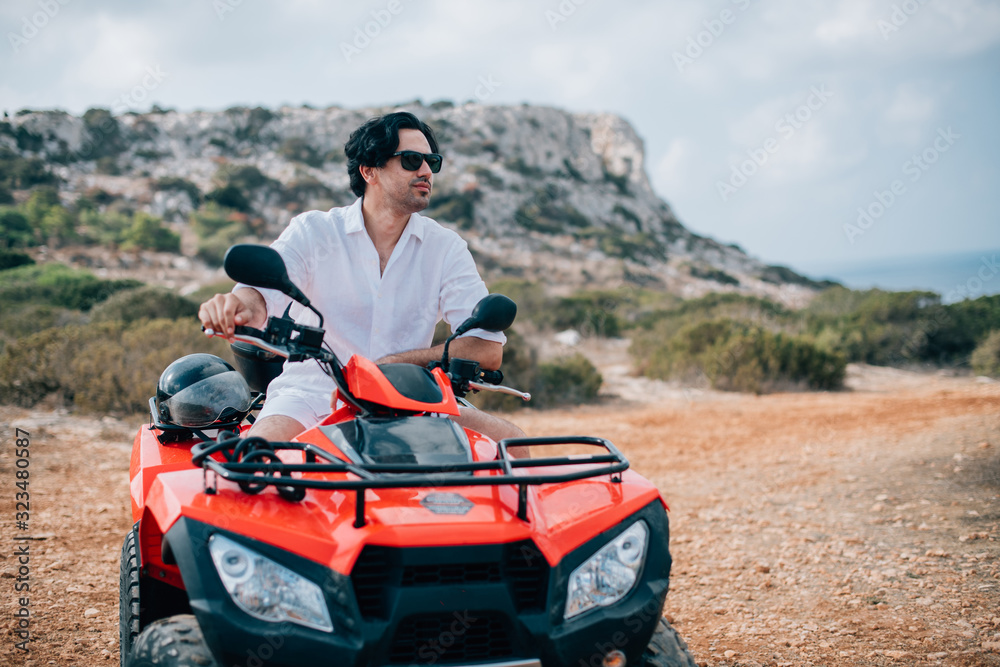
x=813 y=133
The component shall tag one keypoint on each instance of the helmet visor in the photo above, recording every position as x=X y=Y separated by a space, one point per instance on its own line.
x=205 y=402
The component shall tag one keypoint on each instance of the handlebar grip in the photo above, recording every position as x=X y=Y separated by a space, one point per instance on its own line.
x=241 y=330
x=492 y=377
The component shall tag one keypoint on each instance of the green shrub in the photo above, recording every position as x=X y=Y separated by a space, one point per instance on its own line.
x=10 y=259
x=779 y=275
x=250 y=122
x=898 y=328
x=21 y=320
x=306 y=189
x=212 y=249
x=456 y=207
x=104 y=137
x=148 y=233
x=715 y=275
x=217 y=229
x=297 y=149
x=668 y=321
x=985 y=359
x=544 y=214
x=106 y=367
x=532 y=303
x=229 y=196
x=737 y=356
x=566 y=381
x=640 y=247
x=245 y=177
x=519 y=166
x=15 y=230
x=519 y=367
x=181 y=185
x=592 y=313
x=144 y=303
x=48 y=220
x=56 y=285
x=20 y=173
x=206 y=292
x=108 y=165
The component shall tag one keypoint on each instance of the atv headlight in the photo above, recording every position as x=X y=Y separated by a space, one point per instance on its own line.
x=607 y=576
x=266 y=590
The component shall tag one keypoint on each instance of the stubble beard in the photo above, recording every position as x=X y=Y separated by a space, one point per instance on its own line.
x=413 y=203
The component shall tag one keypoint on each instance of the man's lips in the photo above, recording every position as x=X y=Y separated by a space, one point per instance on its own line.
x=421 y=185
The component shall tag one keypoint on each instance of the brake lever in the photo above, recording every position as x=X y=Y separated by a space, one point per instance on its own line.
x=250 y=336
x=478 y=386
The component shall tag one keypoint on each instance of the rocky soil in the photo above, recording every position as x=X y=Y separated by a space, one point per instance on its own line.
x=850 y=528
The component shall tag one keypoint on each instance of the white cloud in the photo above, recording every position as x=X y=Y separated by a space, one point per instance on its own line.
x=908 y=114
x=675 y=170
x=118 y=53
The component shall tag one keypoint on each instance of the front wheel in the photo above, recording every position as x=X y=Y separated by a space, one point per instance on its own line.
x=172 y=642
x=128 y=597
x=667 y=649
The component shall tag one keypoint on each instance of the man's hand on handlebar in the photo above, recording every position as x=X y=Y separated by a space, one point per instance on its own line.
x=223 y=312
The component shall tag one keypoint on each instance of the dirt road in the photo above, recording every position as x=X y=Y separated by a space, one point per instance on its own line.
x=851 y=528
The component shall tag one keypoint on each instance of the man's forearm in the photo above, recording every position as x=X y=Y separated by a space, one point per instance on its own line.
x=488 y=353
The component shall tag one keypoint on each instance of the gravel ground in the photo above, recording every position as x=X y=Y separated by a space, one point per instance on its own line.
x=850 y=528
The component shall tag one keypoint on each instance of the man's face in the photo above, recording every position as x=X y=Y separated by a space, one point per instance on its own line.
x=406 y=191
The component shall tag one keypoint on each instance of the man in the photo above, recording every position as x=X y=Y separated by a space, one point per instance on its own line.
x=381 y=274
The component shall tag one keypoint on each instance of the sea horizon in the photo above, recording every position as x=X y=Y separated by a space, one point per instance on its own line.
x=955 y=276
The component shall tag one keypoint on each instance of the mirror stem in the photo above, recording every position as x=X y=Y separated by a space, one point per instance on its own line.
x=444 y=356
x=318 y=314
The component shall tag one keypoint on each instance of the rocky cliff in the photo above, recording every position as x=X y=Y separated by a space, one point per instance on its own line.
x=539 y=193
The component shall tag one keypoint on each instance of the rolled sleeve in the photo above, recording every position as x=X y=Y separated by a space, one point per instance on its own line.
x=295 y=249
x=462 y=290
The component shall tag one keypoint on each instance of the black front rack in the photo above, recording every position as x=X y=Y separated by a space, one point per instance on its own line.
x=253 y=464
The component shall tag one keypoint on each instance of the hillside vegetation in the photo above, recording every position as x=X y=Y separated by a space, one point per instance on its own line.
x=538 y=193
x=550 y=202
x=70 y=339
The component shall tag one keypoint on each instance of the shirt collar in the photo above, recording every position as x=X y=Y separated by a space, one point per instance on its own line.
x=354 y=222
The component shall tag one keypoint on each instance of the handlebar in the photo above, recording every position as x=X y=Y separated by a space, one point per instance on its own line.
x=284 y=338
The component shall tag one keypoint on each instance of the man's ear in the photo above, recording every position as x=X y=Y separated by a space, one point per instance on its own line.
x=368 y=173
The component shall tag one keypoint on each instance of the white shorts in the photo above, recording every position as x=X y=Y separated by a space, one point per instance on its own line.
x=307 y=408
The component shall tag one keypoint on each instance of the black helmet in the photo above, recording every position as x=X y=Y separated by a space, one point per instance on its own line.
x=200 y=391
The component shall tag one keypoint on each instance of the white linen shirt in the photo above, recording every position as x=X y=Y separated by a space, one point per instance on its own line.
x=429 y=276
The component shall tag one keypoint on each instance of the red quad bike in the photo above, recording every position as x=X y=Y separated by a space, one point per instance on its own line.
x=386 y=534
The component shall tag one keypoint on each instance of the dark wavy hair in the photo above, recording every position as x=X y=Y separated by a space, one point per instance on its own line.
x=372 y=144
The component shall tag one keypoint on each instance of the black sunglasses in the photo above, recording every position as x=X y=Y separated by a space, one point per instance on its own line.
x=411 y=160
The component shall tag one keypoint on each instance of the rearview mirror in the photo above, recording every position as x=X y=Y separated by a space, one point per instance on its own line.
x=258 y=266
x=262 y=266
x=495 y=312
